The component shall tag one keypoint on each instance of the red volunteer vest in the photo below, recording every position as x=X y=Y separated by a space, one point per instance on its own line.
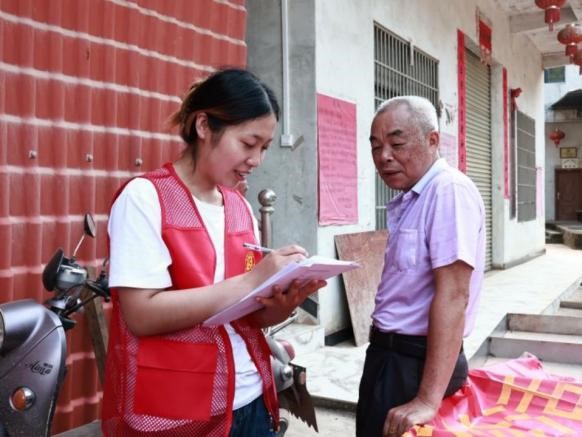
x=182 y=384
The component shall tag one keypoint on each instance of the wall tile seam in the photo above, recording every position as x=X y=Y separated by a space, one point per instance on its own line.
x=181 y=24
x=66 y=171
x=239 y=7
x=47 y=218
x=75 y=357
x=87 y=127
x=85 y=81
x=132 y=48
x=78 y=403
x=25 y=270
x=14 y=271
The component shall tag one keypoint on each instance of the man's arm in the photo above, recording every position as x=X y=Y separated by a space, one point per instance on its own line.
x=445 y=335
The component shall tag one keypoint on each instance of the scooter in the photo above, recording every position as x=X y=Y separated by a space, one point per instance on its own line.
x=33 y=346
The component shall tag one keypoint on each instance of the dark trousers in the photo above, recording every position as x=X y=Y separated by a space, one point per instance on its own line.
x=252 y=420
x=392 y=374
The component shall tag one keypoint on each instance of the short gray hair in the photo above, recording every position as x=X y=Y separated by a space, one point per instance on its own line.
x=422 y=111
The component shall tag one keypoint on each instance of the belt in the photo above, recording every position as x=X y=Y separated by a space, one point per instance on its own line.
x=411 y=345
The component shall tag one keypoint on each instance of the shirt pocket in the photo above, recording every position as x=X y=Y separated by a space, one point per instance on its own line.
x=406 y=251
x=175 y=379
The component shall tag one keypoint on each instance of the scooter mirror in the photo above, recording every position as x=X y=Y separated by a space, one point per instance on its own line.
x=51 y=270
x=90 y=228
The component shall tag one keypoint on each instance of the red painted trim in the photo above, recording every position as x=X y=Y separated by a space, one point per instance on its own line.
x=506 y=171
x=461 y=86
x=484 y=35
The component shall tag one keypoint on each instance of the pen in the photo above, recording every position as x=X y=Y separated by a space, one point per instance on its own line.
x=257 y=248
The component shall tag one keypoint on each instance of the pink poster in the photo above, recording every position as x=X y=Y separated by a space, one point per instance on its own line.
x=448 y=149
x=337 y=153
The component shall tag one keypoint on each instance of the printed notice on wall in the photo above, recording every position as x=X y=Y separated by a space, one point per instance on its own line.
x=336 y=146
x=448 y=149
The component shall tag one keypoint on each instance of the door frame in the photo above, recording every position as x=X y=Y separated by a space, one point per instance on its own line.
x=558 y=171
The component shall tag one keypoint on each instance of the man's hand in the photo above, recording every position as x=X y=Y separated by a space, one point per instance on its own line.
x=445 y=333
x=400 y=419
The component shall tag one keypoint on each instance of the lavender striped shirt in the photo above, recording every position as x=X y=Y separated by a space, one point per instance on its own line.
x=439 y=221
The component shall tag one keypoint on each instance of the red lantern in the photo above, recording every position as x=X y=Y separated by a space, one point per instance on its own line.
x=556 y=136
x=514 y=93
x=552 y=8
x=571 y=35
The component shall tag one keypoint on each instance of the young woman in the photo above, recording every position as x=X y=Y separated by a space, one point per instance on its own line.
x=176 y=258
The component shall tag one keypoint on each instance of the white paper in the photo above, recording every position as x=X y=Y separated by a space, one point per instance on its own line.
x=315 y=267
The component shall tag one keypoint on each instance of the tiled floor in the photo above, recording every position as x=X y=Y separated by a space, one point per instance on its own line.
x=334 y=372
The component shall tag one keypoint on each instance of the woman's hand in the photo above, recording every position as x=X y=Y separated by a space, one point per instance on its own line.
x=275 y=261
x=281 y=304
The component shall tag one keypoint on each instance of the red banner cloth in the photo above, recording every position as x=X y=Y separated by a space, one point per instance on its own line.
x=513 y=398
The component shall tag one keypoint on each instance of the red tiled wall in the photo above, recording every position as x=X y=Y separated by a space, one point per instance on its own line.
x=85 y=89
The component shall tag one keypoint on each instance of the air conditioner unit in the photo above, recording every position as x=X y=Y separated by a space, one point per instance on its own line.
x=570 y=163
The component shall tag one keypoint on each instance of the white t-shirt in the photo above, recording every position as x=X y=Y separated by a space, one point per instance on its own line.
x=139 y=258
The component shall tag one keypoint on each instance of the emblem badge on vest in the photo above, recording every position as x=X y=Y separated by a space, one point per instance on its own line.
x=249 y=261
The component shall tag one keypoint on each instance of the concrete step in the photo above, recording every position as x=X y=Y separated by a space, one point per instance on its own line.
x=554 y=236
x=304 y=338
x=574 y=302
x=569 y=312
x=572 y=235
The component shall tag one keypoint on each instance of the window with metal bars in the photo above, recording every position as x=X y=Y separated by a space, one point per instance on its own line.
x=525 y=141
x=555 y=75
x=400 y=69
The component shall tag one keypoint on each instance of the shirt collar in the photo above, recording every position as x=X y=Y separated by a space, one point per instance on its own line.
x=438 y=166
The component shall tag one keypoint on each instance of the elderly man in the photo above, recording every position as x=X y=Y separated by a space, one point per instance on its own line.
x=432 y=277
